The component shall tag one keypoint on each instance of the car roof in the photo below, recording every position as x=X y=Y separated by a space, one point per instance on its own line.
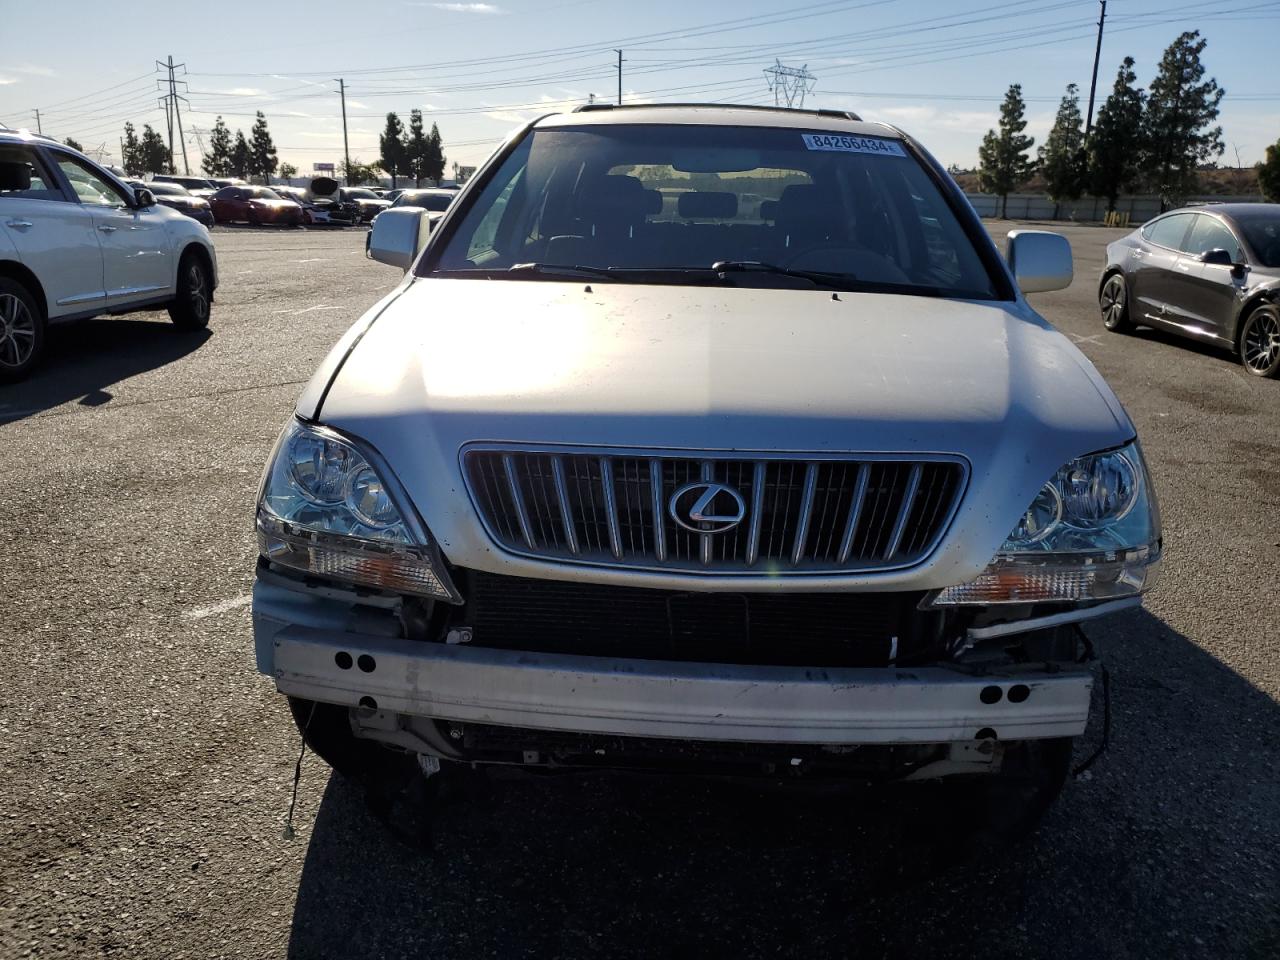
x=1233 y=209
x=722 y=115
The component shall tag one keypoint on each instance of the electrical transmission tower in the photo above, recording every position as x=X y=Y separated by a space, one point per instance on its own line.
x=789 y=84
x=172 y=113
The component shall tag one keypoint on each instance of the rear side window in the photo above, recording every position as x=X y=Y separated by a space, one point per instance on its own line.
x=1168 y=231
x=1209 y=233
x=23 y=175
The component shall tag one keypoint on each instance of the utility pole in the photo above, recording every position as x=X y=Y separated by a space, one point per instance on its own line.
x=39 y=129
x=620 y=61
x=346 y=150
x=172 y=113
x=1097 y=53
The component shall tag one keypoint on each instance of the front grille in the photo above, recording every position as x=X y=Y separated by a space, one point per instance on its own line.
x=780 y=628
x=799 y=515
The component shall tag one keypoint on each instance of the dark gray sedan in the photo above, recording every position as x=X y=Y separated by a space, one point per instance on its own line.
x=1211 y=273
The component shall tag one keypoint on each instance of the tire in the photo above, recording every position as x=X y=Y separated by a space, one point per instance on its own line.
x=22 y=330
x=1113 y=301
x=193 y=301
x=1260 y=341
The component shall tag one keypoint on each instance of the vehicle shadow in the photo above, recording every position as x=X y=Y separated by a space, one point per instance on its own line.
x=1128 y=863
x=84 y=358
x=1210 y=350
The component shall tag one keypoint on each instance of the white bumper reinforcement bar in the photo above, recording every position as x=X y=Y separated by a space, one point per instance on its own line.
x=653 y=698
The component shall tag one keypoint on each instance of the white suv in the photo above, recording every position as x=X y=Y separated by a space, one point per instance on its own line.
x=76 y=242
x=750 y=456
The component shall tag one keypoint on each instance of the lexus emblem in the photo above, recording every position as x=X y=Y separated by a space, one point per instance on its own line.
x=707 y=507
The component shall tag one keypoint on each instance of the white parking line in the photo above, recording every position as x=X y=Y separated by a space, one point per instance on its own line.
x=314 y=260
x=1093 y=339
x=318 y=306
x=201 y=612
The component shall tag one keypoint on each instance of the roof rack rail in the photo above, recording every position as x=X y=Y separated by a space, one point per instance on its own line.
x=838 y=114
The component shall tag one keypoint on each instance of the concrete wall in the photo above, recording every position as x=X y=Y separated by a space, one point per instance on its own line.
x=1036 y=206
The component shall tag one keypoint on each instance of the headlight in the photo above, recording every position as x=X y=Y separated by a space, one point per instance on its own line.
x=1091 y=533
x=326 y=510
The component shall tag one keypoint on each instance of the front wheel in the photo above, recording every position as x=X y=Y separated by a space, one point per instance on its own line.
x=1113 y=301
x=1260 y=342
x=190 y=307
x=21 y=330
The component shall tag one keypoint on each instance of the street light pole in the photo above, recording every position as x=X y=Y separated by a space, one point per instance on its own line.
x=619 y=53
x=346 y=150
x=1097 y=53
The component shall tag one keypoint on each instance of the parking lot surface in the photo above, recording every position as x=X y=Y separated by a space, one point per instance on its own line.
x=145 y=769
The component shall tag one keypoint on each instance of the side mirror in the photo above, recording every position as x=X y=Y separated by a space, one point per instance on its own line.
x=143 y=198
x=397 y=236
x=1040 y=261
x=1218 y=257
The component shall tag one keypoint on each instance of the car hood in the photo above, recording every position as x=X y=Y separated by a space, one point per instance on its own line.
x=447 y=362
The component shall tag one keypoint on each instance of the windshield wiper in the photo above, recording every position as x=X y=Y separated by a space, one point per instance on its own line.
x=759 y=266
x=568 y=270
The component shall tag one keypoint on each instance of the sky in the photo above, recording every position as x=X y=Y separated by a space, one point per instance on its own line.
x=478 y=69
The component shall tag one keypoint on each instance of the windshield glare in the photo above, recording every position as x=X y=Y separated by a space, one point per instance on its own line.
x=682 y=197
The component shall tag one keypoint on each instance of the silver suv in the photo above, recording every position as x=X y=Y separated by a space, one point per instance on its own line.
x=702 y=436
x=76 y=242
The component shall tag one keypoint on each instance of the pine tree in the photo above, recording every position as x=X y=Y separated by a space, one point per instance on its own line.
x=241 y=157
x=416 y=148
x=1269 y=173
x=1181 y=108
x=433 y=162
x=153 y=153
x=287 y=171
x=131 y=151
x=1062 y=157
x=1003 y=162
x=391 y=148
x=73 y=144
x=262 y=151
x=217 y=162
x=1116 y=144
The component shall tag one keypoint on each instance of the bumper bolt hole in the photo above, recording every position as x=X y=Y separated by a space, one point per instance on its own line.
x=342 y=659
x=365 y=663
x=991 y=694
x=1019 y=692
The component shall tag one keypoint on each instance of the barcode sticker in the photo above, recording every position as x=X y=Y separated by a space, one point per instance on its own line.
x=845 y=144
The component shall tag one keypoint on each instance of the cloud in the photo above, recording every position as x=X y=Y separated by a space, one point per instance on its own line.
x=487 y=8
x=32 y=70
x=5 y=81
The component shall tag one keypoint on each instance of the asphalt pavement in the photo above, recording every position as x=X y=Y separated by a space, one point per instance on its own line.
x=145 y=769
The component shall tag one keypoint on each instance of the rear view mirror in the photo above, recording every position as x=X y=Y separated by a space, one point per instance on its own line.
x=1218 y=257
x=1040 y=261
x=397 y=236
x=143 y=198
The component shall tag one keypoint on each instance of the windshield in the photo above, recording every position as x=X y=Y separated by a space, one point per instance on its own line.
x=673 y=200
x=162 y=189
x=1262 y=233
x=262 y=193
x=434 y=202
x=359 y=193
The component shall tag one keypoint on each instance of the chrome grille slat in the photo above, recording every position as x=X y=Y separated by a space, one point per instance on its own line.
x=611 y=507
x=806 y=512
x=904 y=512
x=804 y=515
x=517 y=498
x=562 y=497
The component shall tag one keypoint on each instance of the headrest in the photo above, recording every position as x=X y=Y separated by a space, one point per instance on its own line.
x=768 y=209
x=15 y=175
x=615 y=198
x=652 y=202
x=799 y=198
x=708 y=205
